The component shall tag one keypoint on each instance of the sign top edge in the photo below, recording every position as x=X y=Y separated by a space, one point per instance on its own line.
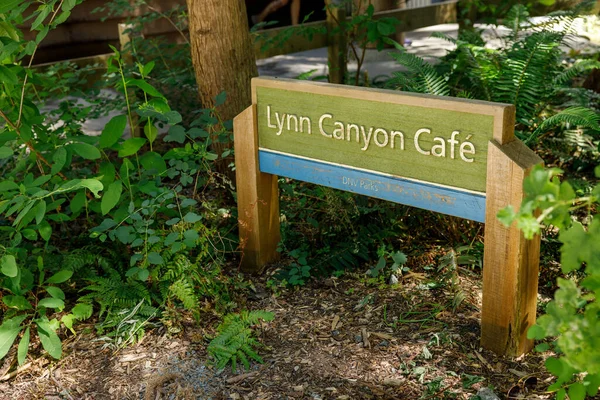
x=380 y=95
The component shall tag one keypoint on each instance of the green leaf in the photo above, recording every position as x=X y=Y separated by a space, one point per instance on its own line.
x=528 y=225
x=143 y=274
x=507 y=215
x=399 y=258
x=593 y=383
x=62 y=17
x=55 y=292
x=5 y=186
x=82 y=311
x=155 y=258
x=45 y=10
x=49 y=338
x=68 y=5
x=23 y=347
x=60 y=158
x=85 y=150
x=68 y=320
x=5 y=151
x=576 y=391
x=8 y=76
x=51 y=302
x=94 y=186
x=385 y=28
x=40 y=211
x=210 y=156
x=113 y=131
x=77 y=202
x=9 y=330
x=111 y=197
x=192 y=217
x=42 y=34
x=8 y=265
x=45 y=230
x=555 y=366
x=148 y=68
x=542 y=347
x=60 y=277
x=220 y=99
x=131 y=146
x=151 y=132
x=8 y=5
x=176 y=134
x=146 y=87
x=536 y=332
x=18 y=302
x=153 y=161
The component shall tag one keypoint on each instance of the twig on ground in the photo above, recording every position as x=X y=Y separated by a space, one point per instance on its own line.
x=16 y=372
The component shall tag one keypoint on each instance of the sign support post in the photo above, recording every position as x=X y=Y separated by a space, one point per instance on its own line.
x=310 y=132
x=510 y=262
x=257 y=196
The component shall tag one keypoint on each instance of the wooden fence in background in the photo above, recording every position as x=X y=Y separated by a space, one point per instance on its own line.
x=85 y=41
x=85 y=36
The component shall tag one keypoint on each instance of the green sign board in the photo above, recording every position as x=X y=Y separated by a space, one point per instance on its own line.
x=381 y=131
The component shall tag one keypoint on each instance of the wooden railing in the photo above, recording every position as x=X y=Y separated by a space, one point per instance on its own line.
x=313 y=35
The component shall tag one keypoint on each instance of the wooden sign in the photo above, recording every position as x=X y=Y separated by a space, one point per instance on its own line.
x=453 y=156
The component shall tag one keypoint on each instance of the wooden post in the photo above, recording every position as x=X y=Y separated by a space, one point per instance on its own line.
x=258 y=197
x=337 y=48
x=511 y=262
x=125 y=40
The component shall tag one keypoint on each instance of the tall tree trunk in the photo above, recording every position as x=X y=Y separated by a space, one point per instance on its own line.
x=223 y=57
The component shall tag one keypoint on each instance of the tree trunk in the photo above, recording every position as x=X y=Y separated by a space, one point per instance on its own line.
x=223 y=57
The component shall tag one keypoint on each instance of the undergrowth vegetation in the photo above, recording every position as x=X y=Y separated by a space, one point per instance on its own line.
x=134 y=226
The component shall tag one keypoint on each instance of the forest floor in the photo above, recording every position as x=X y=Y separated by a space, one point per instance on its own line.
x=335 y=338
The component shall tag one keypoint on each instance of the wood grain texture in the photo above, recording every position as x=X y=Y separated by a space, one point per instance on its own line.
x=257 y=196
x=511 y=263
x=222 y=61
x=468 y=205
x=390 y=110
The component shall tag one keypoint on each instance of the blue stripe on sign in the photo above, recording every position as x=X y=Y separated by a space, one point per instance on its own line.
x=446 y=200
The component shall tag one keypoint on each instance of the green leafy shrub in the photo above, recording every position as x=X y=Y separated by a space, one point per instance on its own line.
x=63 y=192
x=528 y=71
x=235 y=341
x=571 y=318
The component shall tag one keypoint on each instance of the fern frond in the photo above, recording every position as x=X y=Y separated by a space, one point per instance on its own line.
x=234 y=341
x=576 y=116
x=427 y=79
x=576 y=69
x=523 y=75
x=517 y=19
x=444 y=36
x=184 y=292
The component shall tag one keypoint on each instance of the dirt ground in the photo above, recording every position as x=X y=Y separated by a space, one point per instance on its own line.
x=335 y=338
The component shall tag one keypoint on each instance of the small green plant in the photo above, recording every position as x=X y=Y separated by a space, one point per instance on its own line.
x=235 y=341
x=571 y=318
x=398 y=259
x=362 y=30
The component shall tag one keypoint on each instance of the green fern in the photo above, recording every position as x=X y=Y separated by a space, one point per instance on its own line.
x=575 y=116
x=425 y=78
x=576 y=69
x=235 y=340
x=517 y=19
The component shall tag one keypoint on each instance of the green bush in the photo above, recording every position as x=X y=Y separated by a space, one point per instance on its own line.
x=65 y=195
x=571 y=319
